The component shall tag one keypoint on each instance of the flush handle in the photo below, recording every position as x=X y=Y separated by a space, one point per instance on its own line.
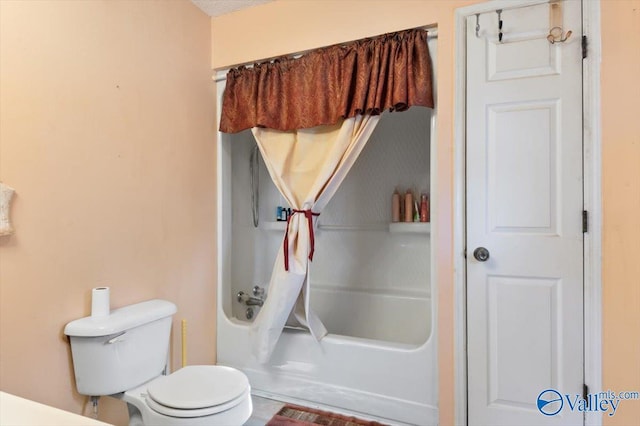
x=115 y=339
x=481 y=254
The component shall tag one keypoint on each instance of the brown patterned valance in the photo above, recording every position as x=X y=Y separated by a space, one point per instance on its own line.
x=389 y=72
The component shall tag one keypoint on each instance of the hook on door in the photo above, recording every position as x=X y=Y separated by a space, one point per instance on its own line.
x=556 y=35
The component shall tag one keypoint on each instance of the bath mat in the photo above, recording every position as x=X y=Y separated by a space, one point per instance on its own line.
x=293 y=415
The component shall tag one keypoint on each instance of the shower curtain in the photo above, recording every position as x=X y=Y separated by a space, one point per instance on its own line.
x=307 y=166
x=311 y=117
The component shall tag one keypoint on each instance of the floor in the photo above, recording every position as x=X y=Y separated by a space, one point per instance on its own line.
x=263 y=410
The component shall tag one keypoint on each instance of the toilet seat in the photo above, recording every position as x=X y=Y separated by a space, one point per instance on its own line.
x=197 y=412
x=197 y=391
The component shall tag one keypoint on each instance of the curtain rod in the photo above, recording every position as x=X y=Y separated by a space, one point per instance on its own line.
x=221 y=74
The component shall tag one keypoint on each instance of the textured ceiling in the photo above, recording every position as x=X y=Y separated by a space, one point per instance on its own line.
x=221 y=7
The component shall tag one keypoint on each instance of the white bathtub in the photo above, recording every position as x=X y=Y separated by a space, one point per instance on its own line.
x=374 y=316
x=393 y=381
x=379 y=358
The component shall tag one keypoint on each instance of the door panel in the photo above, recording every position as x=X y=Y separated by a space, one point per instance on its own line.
x=524 y=205
x=521 y=136
x=512 y=302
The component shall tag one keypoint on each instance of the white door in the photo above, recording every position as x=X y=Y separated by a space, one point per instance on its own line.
x=524 y=206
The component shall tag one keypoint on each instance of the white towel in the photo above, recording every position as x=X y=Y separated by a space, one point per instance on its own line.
x=6 y=193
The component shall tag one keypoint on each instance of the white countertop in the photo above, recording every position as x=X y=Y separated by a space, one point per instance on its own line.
x=16 y=411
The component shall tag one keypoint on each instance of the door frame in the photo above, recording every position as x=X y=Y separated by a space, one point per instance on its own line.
x=592 y=178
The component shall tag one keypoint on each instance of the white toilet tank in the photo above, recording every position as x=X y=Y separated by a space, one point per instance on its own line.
x=123 y=350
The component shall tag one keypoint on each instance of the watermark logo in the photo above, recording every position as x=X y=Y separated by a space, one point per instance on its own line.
x=550 y=402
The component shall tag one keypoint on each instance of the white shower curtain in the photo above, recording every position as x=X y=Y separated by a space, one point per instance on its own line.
x=307 y=166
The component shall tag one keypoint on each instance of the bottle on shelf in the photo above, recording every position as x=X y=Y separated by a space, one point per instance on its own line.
x=408 y=206
x=424 y=208
x=395 y=206
x=282 y=214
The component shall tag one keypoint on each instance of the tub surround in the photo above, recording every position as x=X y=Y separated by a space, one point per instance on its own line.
x=370 y=281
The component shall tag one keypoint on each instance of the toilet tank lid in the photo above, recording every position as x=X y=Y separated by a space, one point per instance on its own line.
x=121 y=319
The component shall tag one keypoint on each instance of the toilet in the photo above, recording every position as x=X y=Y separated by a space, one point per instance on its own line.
x=124 y=355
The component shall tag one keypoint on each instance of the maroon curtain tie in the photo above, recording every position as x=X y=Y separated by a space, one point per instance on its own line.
x=309 y=215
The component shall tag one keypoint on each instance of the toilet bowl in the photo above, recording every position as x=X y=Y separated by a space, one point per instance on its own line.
x=124 y=355
x=192 y=396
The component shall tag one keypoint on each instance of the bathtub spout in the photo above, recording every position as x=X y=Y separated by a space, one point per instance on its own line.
x=254 y=301
x=249 y=300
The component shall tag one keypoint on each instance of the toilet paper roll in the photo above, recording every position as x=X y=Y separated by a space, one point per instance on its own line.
x=100 y=302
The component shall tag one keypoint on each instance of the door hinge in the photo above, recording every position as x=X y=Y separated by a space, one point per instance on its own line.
x=584 y=46
x=585 y=393
x=585 y=221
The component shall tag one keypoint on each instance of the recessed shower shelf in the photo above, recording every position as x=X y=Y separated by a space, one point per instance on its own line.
x=397 y=228
x=410 y=227
x=273 y=226
x=281 y=226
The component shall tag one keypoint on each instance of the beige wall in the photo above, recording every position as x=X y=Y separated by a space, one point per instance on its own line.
x=287 y=26
x=108 y=136
x=106 y=128
x=621 y=202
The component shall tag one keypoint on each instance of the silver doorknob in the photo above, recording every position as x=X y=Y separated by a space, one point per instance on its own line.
x=481 y=254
